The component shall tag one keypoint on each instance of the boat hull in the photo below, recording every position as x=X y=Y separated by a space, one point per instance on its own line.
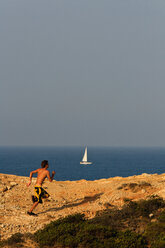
x=85 y=163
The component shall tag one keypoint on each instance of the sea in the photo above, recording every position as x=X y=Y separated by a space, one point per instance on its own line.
x=106 y=161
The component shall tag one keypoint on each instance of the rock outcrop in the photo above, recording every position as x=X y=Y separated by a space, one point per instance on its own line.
x=69 y=197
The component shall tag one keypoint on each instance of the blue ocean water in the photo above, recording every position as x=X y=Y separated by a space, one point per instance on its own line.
x=107 y=162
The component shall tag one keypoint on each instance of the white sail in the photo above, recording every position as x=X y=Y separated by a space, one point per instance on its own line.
x=85 y=155
x=85 y=160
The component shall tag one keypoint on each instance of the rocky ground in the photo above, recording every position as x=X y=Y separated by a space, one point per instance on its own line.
x=68 y=197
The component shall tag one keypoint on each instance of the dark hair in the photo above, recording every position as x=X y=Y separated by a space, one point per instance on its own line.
x=44 y=163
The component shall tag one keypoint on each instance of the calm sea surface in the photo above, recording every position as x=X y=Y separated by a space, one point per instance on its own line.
x=107 y=162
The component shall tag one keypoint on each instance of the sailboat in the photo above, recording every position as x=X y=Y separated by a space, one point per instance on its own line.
x=85 y=160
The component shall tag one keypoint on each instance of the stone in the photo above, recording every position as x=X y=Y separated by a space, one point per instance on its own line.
x=13 y=183
x=153 y=220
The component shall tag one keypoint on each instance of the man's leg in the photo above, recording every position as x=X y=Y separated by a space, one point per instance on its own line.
x=33 y=207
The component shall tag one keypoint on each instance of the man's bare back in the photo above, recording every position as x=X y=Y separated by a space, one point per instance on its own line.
x=42 y=173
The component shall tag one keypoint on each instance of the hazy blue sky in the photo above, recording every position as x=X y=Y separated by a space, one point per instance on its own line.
x=77 y=72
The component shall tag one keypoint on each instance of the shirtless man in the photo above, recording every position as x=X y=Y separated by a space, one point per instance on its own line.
x=40 y=193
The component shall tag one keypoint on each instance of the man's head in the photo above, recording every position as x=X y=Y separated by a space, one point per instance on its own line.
x=44 y=164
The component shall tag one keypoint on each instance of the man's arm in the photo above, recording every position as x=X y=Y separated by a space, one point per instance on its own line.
x=51 y=177
x=31 y=174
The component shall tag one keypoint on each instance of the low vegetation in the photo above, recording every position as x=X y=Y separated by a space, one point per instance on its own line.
x=134 y=186
x=15 y=240
x=75 y=231
x=137 y=225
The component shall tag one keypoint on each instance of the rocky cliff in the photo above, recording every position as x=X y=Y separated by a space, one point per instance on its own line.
x=69 y=197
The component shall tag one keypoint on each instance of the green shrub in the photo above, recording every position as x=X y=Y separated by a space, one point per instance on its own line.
x=157 y=240
x=155 y=234
x=134 y=186
x=161 y=217
x=141 y=208
x=131 y=240
x=14 y=240
x=145 y=207
x=153 y=230
x=61 y=231
x=145 y=184
x=84 y=233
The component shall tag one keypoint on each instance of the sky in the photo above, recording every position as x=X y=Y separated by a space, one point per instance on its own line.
x=82 y=72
